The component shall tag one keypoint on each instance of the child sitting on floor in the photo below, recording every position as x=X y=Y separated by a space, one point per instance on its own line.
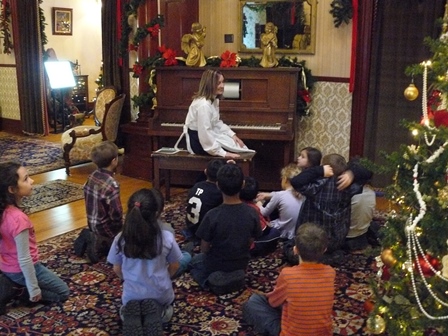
x=145 y=257
x=103 y=204
x=19 y=256
x=226 y=234
x=302 y=300
x=268 y=241
x=203 y=197
x=288 y=202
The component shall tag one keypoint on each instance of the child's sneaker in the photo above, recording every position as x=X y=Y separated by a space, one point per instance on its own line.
x=167 y=314
x=151 y=316
x=132 y=319
x=8 y=291
x=222 y=283
x=80 y=244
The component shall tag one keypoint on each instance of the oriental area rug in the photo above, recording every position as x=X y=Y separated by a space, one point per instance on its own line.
x=52 y=194
x=95 y=300
x=37 y=155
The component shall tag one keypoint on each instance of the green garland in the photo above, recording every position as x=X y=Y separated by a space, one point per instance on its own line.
x=130 y=8
x=5 y=21
x=342 y=11
x=43 y=36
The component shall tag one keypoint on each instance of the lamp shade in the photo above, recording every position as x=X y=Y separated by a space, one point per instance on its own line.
x=60 y=74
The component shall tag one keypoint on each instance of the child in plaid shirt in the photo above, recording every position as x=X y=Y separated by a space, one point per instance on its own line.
x=103 y=204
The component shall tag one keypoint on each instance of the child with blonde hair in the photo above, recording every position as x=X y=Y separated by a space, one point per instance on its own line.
x=288 y=202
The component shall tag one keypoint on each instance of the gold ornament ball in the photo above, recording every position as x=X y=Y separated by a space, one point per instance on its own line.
x=376 y=325
x=411 y=92
x=387 y=258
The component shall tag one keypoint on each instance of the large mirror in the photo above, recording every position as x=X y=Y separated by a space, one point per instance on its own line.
x=295 y=21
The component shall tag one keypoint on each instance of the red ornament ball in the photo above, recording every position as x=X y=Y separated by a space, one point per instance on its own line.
x=369 y=305
x=426 y=268
x=386 y=273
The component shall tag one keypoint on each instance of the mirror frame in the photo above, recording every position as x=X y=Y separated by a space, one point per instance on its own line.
x=309 y=50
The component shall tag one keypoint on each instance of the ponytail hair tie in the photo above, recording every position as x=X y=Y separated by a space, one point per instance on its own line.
x=137 y=204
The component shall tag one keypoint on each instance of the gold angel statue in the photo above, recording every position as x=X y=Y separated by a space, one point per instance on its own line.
x=192 y=45
x=269 y=46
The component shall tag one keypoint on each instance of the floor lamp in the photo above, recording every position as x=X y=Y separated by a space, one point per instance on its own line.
x=60 y=75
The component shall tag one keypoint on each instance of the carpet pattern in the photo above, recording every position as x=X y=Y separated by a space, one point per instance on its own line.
x=94 y=303
x=37 y=155
x=52 y=194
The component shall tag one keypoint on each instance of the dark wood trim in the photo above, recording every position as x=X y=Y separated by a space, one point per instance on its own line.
x=11 y=126
x=8 y=65
x=332 y=79
x=367 y=10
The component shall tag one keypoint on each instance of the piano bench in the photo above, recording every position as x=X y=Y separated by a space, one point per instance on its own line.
x=185 y=161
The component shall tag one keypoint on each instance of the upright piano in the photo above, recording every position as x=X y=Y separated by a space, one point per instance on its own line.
x=260 y=106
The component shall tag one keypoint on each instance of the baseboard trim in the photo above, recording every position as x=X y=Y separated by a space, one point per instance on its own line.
x=11 y=126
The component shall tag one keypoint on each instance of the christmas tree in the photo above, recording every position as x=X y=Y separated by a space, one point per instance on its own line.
x=99 y=80
x=412 y=285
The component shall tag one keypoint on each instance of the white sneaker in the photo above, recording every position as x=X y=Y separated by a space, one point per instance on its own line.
x=167 y=314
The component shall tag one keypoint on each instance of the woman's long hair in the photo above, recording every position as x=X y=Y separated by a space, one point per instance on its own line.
x=9 y=178
x=208 y=85
x=141 y=237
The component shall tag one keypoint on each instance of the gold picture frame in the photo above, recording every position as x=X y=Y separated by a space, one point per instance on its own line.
x=62 y=21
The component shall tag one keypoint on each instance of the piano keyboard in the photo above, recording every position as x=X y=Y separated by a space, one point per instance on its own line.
x=275 y=127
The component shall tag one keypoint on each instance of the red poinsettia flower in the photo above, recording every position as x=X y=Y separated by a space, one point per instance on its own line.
x=441 y=118
x=305 y=95
x=137 y=68
x=162 y=49
x=228 y=60
x=154 y=30
x=133 y=47
x=170 y=57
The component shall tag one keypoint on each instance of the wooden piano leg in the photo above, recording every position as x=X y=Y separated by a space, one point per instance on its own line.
x=167 y=184
x=156 y=180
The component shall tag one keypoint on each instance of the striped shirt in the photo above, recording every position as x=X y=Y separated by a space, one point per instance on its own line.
x=306 y=294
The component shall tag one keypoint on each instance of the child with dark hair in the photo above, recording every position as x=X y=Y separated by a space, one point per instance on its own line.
x=302 y=300
x=186 y=252
x=309 y=157
x=19 y=255
x=103 y=204
x=203 y=197
x=226 y=234
x=145 y=257
x=268 y=241
x=327 y=204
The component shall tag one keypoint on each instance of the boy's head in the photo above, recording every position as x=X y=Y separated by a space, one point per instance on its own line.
x=250 y=190
x=212 y=169
x=230 y=179
x=311 y=242
x=104 y=153
x=337 y=162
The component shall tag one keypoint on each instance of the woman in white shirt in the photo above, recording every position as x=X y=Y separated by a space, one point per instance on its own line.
x=206 y=133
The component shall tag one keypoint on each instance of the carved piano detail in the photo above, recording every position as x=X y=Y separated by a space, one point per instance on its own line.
x=263 y=115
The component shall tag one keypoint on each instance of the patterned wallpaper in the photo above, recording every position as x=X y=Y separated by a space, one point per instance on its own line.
x=133 y=91
x=328 y=126
x=9 y=96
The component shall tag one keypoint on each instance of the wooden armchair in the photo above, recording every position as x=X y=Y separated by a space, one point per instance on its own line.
x=77 y=142
x=103 y=96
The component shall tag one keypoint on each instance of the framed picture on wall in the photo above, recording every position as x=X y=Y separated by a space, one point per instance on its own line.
x=62 y=21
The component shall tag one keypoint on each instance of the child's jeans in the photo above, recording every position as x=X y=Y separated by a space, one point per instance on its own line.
x=52 y=287
x=258 y=312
